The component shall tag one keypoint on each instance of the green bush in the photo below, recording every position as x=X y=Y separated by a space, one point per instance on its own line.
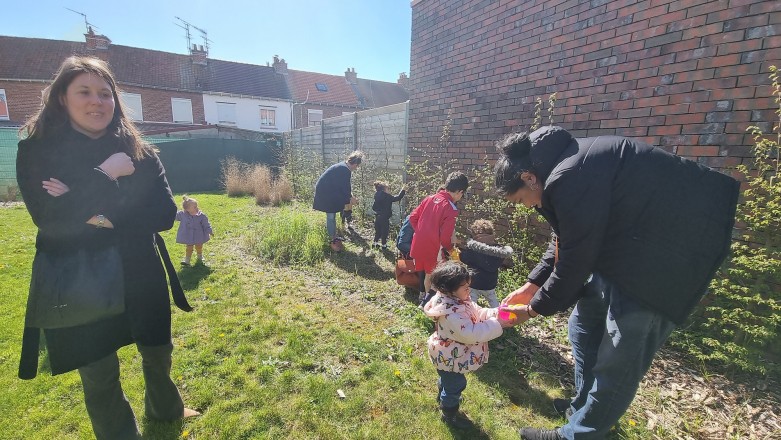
x=738 y=327
x=293 y=236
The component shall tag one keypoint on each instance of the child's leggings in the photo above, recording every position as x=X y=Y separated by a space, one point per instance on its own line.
x=381 y=228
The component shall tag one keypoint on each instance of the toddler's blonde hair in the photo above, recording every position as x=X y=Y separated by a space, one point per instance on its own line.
x=187 y=201
x=482 y=226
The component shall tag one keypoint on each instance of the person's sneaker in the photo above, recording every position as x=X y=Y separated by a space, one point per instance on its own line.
x=376 y=244
x=350 y=227
x=540 y=434
x=337 y=246
x=562 y=407
x=453 y=417
x=385 y=247
x=185 y=263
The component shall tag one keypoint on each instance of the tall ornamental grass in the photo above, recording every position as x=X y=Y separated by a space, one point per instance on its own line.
x=292 y=236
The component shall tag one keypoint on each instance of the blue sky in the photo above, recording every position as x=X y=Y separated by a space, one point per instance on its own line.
x=326 y=36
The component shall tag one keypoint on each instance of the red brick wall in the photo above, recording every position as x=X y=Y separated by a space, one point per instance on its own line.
x=687 y=75
x=156 y=103
x=24 y=99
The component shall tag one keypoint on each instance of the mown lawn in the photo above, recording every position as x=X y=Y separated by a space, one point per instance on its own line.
x=268 y=347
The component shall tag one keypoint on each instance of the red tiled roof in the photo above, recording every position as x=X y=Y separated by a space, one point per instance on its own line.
x=339 y=91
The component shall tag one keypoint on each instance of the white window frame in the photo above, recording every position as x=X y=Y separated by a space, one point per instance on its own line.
x=270 y=121
x=134 y=107
x=226 y=110
x=317 y=122
x=5 y=115
x=181 y=111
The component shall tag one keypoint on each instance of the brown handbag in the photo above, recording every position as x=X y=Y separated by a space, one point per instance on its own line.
x=406 y=275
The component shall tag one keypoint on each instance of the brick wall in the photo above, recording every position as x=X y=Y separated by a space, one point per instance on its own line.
x=687 y=75
x=156 y=103
x=24 y=99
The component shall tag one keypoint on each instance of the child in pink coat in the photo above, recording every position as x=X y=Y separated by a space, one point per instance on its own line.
x=459 y=343
x=194 y=229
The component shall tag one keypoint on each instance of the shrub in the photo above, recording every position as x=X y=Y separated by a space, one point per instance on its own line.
x=281 y=191
x=292 y=236
x=10 y=194
x=260 y=181
x=234 y=177
x=738 y=327
x=301 y=168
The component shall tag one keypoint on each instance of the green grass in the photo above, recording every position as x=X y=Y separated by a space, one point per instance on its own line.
x=268 y=346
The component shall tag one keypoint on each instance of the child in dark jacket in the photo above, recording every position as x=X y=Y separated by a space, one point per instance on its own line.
x=383 y=207
x=484 y=257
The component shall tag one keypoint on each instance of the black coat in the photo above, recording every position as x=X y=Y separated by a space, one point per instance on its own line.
x=332 y=190
x=656 y=225
x=138 y=205
x=484 y=261
x=383 y=203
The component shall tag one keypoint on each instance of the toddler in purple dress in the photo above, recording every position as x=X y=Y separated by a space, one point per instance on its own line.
x=194 y=229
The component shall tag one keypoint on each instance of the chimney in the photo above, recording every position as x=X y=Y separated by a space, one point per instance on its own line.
x=95 y=41
x=198 y=55
x=280 y=66
x=351 y=76
x=403 y=81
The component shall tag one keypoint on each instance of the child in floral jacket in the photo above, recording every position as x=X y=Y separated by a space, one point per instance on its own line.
x=460 y=340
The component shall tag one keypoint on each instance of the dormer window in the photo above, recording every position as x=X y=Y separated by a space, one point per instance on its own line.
x=321 y=87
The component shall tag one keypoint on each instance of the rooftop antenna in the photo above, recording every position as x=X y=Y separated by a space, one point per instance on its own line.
x=86 y=23
x=186 y=28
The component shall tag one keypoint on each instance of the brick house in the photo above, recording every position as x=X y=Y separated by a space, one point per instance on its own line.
x=318 y=96
x=687 y=75
x=161 y=90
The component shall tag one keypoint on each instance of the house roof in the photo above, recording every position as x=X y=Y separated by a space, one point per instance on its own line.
x=245 y=79
x=339 y=91
x=379 y=93
x=38 y=59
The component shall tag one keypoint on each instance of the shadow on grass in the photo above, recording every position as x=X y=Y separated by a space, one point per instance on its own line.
x=191 y=276
x=473 y=432
x=509 y=370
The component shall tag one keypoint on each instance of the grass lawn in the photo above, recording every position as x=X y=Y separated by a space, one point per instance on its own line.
x=267 y=349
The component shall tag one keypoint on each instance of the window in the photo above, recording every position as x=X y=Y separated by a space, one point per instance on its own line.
x=321 y=87
x=132 y=103
x=315 y=117
x=226 y=113
x=268 y=117
x=4 y=113
x=182 y=110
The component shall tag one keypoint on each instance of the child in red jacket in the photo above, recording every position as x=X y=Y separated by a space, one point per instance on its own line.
x=434 y=222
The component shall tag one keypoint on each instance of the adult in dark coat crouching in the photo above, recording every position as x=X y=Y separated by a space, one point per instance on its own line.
x=89 y=182
x=333 y=191
x=640 y=233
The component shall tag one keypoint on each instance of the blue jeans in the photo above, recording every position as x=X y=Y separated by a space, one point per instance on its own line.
x=330 y=224
x=451 y=385
x=614 y=339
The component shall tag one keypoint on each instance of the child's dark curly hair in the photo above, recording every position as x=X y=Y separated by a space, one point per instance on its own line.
x=449 y=276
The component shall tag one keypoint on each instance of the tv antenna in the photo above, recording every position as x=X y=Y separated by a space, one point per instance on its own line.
x=186 y=26
x=86 y=23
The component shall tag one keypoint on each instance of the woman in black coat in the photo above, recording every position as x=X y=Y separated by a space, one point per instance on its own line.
x=639 y=233
x=333 y=191
x=90 y=183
